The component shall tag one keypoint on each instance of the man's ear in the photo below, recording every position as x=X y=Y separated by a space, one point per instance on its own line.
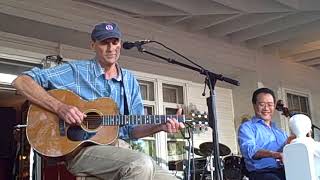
x=92 y=45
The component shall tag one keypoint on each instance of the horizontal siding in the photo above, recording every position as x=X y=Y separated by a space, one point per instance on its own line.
x=225 y=115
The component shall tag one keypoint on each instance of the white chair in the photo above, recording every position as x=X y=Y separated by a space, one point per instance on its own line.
x=298 y=161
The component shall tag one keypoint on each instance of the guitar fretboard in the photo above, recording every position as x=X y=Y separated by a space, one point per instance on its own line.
x=116 y=120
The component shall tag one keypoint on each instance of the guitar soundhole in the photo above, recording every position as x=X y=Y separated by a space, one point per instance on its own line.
x=92 y=121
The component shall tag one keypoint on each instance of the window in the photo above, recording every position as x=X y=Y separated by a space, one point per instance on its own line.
x=161 y=146
x=173 y=98
x=147 y=90
x=175 y=142
x=172 y=93
x=298 y=104
x=148 y=144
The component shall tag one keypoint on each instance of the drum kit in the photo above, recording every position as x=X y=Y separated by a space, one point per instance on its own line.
x=202 y=167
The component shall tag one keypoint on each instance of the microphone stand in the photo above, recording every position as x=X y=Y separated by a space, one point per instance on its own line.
x=211 y=79
x=190 y=149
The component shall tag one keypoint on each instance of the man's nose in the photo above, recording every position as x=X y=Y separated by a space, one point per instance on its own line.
x=109 y=46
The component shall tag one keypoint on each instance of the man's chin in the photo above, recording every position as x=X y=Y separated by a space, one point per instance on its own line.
x=266 y=118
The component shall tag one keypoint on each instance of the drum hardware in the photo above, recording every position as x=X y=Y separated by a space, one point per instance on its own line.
x=194 y=150
x=197 y=125
x=234 y=167
x=204 y=167
x=206 y=149
x=199 y=168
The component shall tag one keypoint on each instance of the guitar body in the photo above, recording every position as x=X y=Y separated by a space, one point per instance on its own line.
x=48 y=134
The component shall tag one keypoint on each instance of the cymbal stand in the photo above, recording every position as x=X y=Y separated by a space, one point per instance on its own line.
x=190 y=149
x=210 y=159
x=209 y=166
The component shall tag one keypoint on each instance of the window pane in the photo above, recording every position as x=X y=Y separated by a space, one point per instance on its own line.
x=304 y=102
x=169 y=95
x=144 y=91
x=147 y=90
x=171 y=111
x=172 y=93
x=290 y=104
x=176 y=150
x=175 y=146
x=148 y=110
x=298 y=104
x=316 y=133
x=145 y=146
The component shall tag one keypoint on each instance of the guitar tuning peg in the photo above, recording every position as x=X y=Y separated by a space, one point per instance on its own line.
x=205 y=115
x=206 y=124
x=198 y=114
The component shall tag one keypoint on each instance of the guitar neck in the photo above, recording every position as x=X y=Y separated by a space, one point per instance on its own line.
x=118 y=120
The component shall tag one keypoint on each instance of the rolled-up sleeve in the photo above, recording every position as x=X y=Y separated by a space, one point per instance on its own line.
x=52 y=78
x=38 y=75
x=246 y=139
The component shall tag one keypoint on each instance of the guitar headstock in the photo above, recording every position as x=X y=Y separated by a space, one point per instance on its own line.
x=197 y=121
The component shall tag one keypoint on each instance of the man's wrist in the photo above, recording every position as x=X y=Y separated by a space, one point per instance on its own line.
x=274 y=154
x=161 y=127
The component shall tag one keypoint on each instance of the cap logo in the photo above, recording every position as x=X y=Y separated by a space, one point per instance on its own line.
x=109 y=27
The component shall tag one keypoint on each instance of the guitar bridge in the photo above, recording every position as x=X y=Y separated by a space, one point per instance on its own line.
x=62 y=127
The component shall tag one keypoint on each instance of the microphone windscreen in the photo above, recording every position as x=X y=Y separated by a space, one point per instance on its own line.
x=128 y=45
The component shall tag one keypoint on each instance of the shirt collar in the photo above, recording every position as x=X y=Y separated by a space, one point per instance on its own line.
x=98 y=70
x=256 y=119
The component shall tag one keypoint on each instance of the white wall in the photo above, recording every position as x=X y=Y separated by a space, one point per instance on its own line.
x=224 y=119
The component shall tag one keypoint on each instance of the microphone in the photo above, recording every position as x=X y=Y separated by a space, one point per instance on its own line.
x=129 y=45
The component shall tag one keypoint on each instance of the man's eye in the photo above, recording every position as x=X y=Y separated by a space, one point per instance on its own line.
x=266 y=104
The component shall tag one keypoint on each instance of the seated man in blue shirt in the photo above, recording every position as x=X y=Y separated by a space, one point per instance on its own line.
x=260 y=141
x=91 y=79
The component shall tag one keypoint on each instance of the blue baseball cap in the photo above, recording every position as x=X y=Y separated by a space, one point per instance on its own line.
x=104 y=31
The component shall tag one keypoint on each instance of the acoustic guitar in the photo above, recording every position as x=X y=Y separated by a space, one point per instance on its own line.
x=50 y=136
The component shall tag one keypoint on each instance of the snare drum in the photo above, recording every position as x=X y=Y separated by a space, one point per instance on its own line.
x=232 y=168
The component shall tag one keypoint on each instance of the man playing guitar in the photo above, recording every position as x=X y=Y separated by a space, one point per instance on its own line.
x=91 y=79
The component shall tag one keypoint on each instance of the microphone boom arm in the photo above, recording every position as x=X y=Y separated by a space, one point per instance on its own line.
x=201 y=71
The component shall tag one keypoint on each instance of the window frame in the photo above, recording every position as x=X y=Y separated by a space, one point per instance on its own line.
x=283 y=96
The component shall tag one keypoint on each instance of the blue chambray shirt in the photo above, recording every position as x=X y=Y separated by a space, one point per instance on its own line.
x=255 y=135
x=86 y=79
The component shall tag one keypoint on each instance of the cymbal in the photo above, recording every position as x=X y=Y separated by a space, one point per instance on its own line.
x=206 y=149
x=196 y=151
